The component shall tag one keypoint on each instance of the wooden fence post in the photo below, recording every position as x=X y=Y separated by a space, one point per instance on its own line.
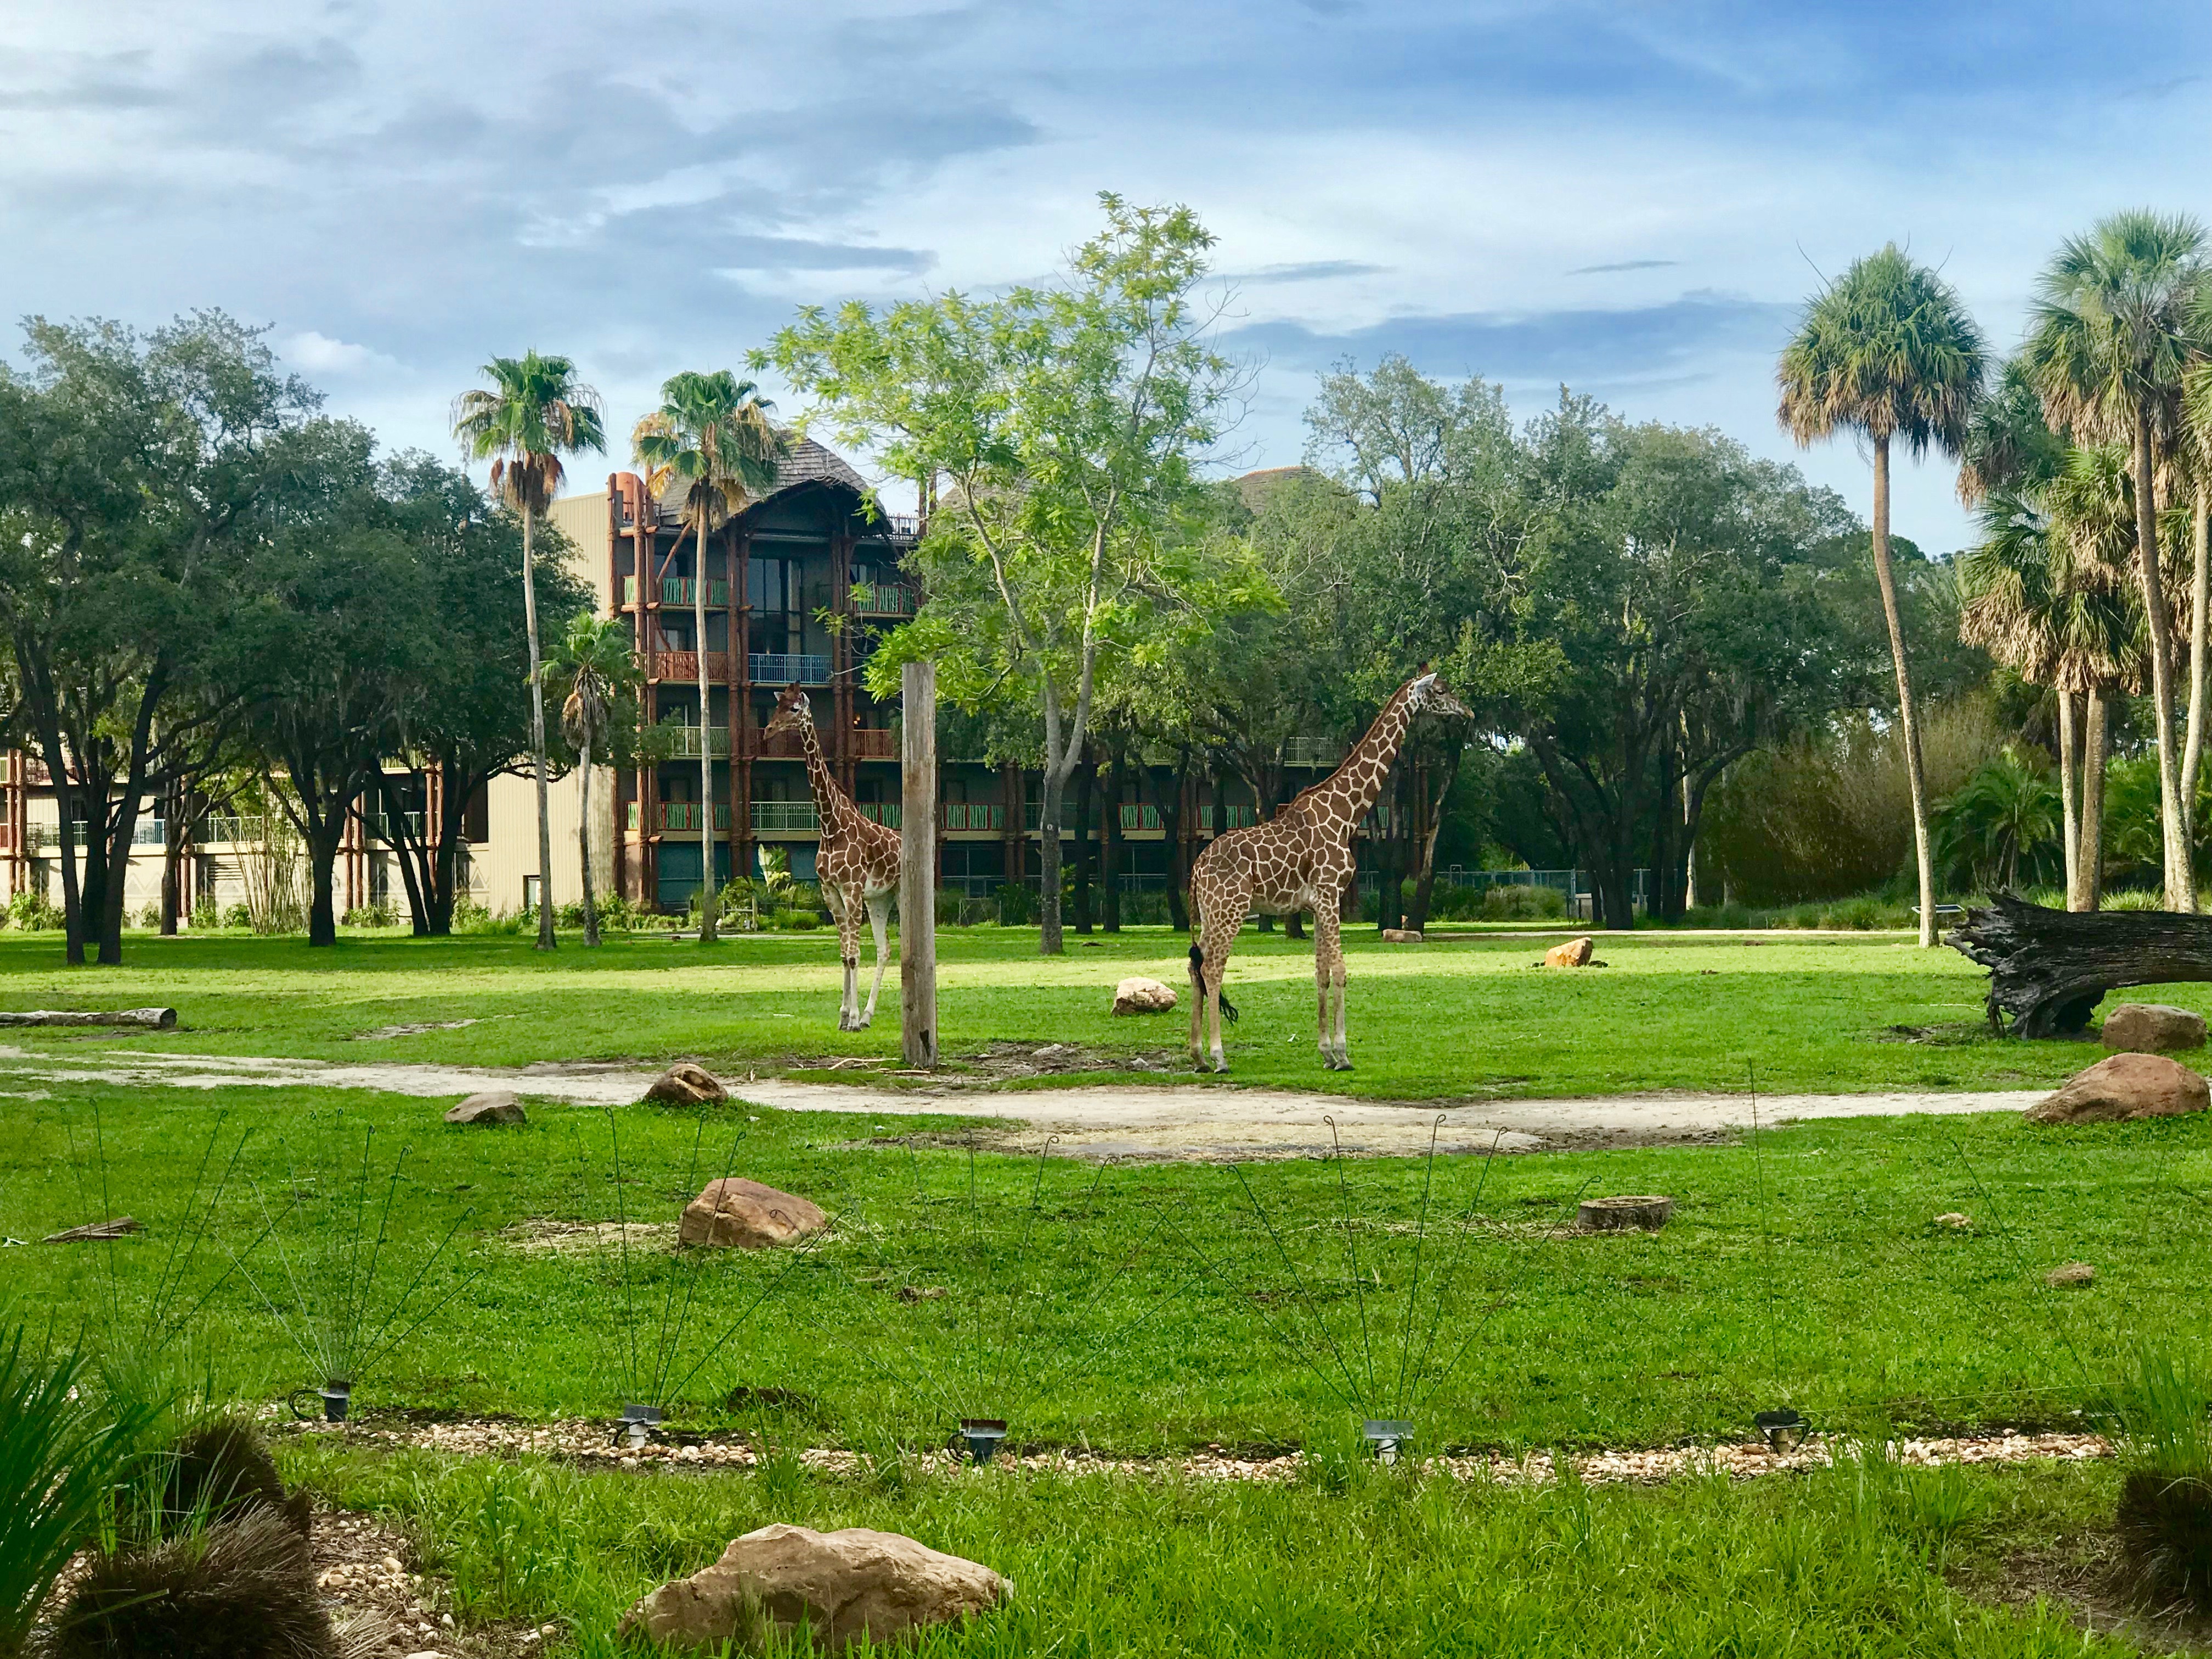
x=918 y=864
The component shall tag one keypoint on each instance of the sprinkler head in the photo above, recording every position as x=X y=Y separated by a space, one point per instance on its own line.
x=1385 y=1440
x=982 y=1435
x=1784 y=1431
x=338 y=1395
x=636 y=1425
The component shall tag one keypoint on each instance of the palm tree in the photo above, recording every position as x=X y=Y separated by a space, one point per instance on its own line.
x=594 y=665
x=712 y=433
x=1888 y=351
x=2114 y=330
x=534 y=411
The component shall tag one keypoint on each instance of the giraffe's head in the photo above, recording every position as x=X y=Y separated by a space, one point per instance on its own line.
x=1425 y=695
x=793 y=712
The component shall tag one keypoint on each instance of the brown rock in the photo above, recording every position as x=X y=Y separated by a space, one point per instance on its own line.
x=734 y=1211
x=1575 y=953
x=2124 y=1087
x=1143 y=996
x=2073 y=1273
x=1401 y=936
x=2153 y=1028
x=686 y=1084
x=843 y=1587
x=488 y=1109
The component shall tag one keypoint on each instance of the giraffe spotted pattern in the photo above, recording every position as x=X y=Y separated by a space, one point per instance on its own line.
x=1299 y=860
x=857 y=862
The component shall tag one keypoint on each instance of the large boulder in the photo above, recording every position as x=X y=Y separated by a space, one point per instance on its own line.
x=2153 y=1028
x=843 y=1587
x=686 y=1084
x=488 y=1109
x=2126 y=1086
x=1575 y=953
x=1143 y=996
x=745 y=1214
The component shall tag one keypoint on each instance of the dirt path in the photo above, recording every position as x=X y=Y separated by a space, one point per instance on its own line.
x=1167 y=1120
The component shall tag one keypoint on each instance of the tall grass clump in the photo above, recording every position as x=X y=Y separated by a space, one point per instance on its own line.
x=2162 y=1414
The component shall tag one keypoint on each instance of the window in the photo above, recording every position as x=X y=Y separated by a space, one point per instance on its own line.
x=530 y=892
x=773 y=585
x=476 y=816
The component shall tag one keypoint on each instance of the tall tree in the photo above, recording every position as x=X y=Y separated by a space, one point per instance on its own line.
x=1888 y=351
x=712 y=434
x=1069 y=422
x=2114 y=330
x=595 y=669
x=535 y=411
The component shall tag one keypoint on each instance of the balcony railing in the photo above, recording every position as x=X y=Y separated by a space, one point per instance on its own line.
x=1240 y=818
x=1140 y=817
x=974 y=815
x=885 y=812
x=782 y=745
x=884 y=600
x=786 y=817
x=681 y=815
x=787 y=668
x=685 y=740
x=685 y=665
x=680 y=590
x=223 y=829
x=873 y=743
x=1312 y=752
x=147 y=832
x=384 y=826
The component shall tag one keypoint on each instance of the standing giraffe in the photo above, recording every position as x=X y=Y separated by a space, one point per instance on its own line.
x=1299 y=860
x=857 y=862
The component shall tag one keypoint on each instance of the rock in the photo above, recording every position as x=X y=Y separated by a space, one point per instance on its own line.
x=734 y=1211
x=2153 y=1028
x=1954 y=1219
x=843 y=1586
x=1647 y=1211
x=1143 y=996
x=686 y=1084
x=2124 y=1087
x=1575 y=953
x=488 y=1109
x=2073 y=1274
x=1401 y=936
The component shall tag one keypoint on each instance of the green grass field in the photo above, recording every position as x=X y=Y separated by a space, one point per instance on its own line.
x=1150 y=1308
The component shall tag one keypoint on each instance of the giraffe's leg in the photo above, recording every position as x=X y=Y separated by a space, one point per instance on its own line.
x=1328 y=979
x=848 y=948
x=1198 y=988
x=880 y=912
x=1222 y=926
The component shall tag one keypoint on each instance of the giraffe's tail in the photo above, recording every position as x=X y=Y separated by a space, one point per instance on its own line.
x=1197 y=984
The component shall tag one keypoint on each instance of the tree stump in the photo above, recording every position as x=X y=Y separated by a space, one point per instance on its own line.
x=1645 y=1211
x=2050 y=968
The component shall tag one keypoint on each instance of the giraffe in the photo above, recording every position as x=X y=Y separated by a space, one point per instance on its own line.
x=857 y=862
x=1299 y=860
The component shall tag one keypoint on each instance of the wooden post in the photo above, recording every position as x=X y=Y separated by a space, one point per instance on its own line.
x=918 y=864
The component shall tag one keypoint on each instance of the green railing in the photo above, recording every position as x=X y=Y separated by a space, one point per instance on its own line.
x=885 y=812
x=974 y=815
x=785 y=816
x=1240 y=818
x=679 y=590
x=884 y=600
x=681 y=815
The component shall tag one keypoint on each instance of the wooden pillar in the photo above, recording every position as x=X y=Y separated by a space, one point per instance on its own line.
x=744 y=740
x=841 y=658
x=918 y=865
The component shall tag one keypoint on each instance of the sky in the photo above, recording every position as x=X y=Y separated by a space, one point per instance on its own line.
x=1633 y=199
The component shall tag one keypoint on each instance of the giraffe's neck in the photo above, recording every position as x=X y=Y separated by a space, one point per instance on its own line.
x=828 y=797
x=1343 y=799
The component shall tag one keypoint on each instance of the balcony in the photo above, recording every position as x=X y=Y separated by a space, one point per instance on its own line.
x=1140 y=817
x=681 y=590
x=873 y=742
x=685 y=665
x=974 y=816
x=1240 y=818
x=885 y=812
x=783 y=745
x=387 y=827
x=1319 y=753
x=784 y=817
x=787 y=668
x=147 y=832
x=675 y=816
x=219 y=829
x=685 y=742
x=884 y=600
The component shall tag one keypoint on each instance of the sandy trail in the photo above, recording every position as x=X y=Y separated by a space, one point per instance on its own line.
x=1187 y=1120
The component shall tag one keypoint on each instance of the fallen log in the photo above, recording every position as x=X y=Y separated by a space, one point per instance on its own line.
x=121 y=1227
x=2050 y=968
x=159 y=1019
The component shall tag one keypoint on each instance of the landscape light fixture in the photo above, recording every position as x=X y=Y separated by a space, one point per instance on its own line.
x=1385 y=1440
x=982 y=1435
x=335 y=1393
x=636 y=1425
x=1783 y=1431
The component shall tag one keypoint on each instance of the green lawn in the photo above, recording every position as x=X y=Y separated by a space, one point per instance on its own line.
x=1469 y=1018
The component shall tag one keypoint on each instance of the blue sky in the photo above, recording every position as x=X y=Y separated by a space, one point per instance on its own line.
x=1633 y=198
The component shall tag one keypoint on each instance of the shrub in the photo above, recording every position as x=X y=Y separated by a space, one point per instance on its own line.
x=797 y=920
x=30 y=911
x=206 y=917
x=371 y=915
x=242 y=1588
x=2134 y=898
x=2165 y=1514
x=1017 y=905
x=238 y=916
x=1517 y=903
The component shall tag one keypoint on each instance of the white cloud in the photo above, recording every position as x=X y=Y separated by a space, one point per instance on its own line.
x=313 y=354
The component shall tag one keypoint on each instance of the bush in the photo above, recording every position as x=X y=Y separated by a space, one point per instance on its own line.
x=238 y=916
x=31 y=912
x=371 y=915
x=206 y=917
x=800 y=921
x=1017 y=905
x=1522 y=903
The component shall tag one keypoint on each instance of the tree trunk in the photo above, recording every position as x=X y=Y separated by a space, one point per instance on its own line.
x=710 y=893
x=173 y=853
x=2050 y=968
x=1086 y=783
x=322 y=862
x=1424 y=881
x=545 y=940
x=2200 y=590
x=1908 y=721
x=1169 y=803
x=2180 y=879
x=1109 y=843
x=2069 y=767
x=2095 y=742
x=584 y=840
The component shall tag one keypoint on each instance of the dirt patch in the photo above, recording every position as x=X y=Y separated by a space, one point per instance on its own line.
x=383 y=1032
x=540 y=1235
x=2083 y=1575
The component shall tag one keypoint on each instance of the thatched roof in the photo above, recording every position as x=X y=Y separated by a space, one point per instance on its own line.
x=805 y=462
